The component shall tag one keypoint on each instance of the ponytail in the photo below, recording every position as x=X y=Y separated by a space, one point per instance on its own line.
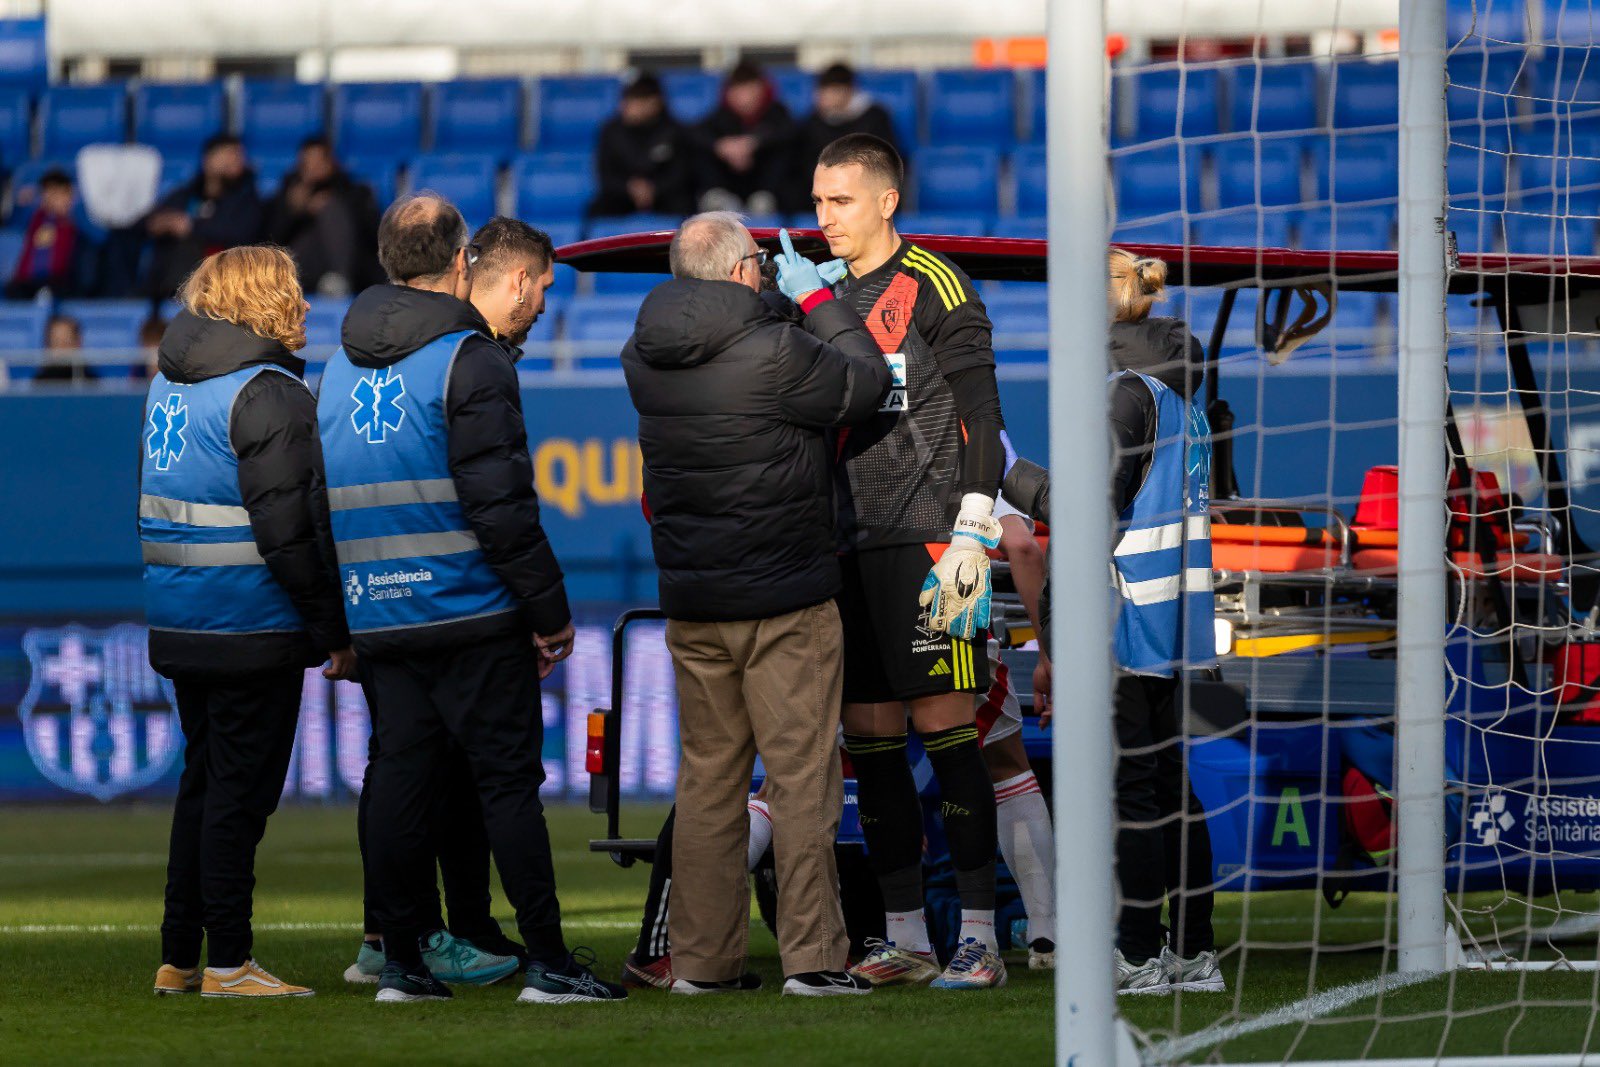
x=1136 y=284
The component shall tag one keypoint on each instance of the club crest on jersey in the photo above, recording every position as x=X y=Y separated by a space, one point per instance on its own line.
x=95 y=718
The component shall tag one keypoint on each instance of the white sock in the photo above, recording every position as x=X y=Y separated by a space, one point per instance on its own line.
x=979 y=925
x=1028 y=843
x=760 y=832
x=909 y=930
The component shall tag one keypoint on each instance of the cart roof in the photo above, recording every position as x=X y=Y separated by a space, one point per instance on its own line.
x=1023 y=259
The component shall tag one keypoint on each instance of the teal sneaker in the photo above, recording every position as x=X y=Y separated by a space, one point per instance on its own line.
x=571 y=983
x=457 y=961
x=367 y=967
x=399 y=984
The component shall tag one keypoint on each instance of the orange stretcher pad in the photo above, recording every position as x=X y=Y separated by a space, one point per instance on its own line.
x=1297 y=549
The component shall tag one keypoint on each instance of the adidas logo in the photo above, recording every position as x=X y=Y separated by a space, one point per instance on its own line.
x=939 y=669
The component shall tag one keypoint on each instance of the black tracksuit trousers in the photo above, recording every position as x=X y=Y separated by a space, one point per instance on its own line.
x=239 y=734
x=483 y=699
x=1163 y=845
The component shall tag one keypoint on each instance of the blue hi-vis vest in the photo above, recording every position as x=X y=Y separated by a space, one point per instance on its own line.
x=1162 y=562
x=202 y=570
x=406 y=554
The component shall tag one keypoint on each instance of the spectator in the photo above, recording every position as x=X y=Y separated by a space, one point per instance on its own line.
x=216 y=210
x=840 y=107
x=643 y=158
x=150 y=333
x=328 y=220
x=57 y=245
x=63 y=344
x=748 y=145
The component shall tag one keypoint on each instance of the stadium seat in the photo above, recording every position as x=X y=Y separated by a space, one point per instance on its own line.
x=1474 y=176
x=1162 y=231
x=71 y=116
x=572 y=109
x=24 y=188
x=1355 y=167
x=614 y=227
x=16 y=126
x=1535 y=236
x=1477 y=231
x=1273 y=95
x=1347 y=229
x=176 y=171
x=1032 y=105
x=794 y=89
x=177 y=118
x=961 y=225
x=22 y=328
x=1358 y=320
x=773 y=221
x=478 y=115
x=1486 y=21
x=378 y=120
x=1026 y=227
x=615 y=283
x=466 y=180
x=691 y=94
x=1175 y=101
x=561 y=233
x=270 y=167
x=896 y=90
x=1564 y=83
x=324 y=321
x=597 y=326
x=1021 y=319
x=1569 y=23
x=381 y=173
x=1569 y=184
x=1272 y=162
x=552 y=186
x=957 y=180
x=1243 y=229
x=11 y=242
x=1483 y=84
x=1365 y=92
x=1201 y=307
x=1028 y=166
x=24 y=58
x=275 y=116
x=108 y=323
x=972 y=107
x=1148 y=180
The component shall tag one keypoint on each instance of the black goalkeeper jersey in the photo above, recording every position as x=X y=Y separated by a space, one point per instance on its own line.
x=898 y=476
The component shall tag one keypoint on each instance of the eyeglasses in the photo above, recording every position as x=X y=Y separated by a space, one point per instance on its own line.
x=474 y=253
x=759 y=255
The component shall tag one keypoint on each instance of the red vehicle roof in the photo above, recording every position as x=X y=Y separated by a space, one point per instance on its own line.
x=1023 y=259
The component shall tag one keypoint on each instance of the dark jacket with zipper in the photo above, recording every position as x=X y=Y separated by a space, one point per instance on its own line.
x=273 y=430
x=735 y=407
x=488 y=457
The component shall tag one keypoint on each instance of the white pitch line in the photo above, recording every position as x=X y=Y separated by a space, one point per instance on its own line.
x=23 y=929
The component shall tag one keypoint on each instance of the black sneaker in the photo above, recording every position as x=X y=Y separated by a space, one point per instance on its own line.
x=570 y=983
x=825 y=984
x=399 y=984
x=745 y=983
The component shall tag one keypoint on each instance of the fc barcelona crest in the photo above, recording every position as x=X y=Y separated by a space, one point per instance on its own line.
x=97 y=720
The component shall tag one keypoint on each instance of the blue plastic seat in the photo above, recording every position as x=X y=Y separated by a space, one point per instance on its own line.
x=1025 y=227
x=1176 y=101
x=1242 y=164
x=1028 y=166
x=71 y=116
x=691 y=94
x=795 y=88
x=897 y=91
x=1483 y=84
x=478 y=115
x=1473 y=175
x=1243 y=229
x=1534 y=235
x=596 y=328
x=1489 y=21
x=972 y=107
x=1568 y=22
x=378 y=119
x=25 y=185
x=11 y=242
x=1348 y=229
x=552 y=186
x=21 y=328
x=961 y=225
x=572 y=109
x=468 y=181
x=16 y=126
x=1273 y=95
x=565 y=232
x=1477 y=231
x=1354 y=167
x=24 y=59
x=178 y=118
x=1021 y=318
x=176 y=171
x=276 y=115
x=324 y=320
x=108 y=323
x=1565 y=84
x=1032 y=105
x=957 y=180
x=1561 y=185
x=1366 y=92
x=615 y=283
x=1357 y=319
x=382 y=173
x=1161 y=231
x=270 y=167
x=615 y=227
x=1156 y=180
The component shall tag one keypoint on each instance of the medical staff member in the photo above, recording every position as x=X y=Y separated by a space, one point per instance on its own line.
x=240 y=592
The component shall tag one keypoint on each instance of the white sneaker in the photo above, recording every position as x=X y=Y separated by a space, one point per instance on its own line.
x=1199 y=975
x=1149 y=977
x=1042 y=955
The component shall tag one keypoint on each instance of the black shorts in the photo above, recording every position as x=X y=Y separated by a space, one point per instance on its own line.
x=889 y=651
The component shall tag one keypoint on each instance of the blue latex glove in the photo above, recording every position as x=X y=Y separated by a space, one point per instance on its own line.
x=833 y=271
x=797 y=275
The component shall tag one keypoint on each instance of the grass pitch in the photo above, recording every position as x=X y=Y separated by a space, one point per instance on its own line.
x=80 y=900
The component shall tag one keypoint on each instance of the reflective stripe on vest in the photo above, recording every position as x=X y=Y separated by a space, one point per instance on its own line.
x=1161 y=566
x=202 y=570
x=407 y=556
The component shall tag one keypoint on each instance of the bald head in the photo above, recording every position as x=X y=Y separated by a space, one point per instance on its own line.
x=714 y=246
x=420 y=238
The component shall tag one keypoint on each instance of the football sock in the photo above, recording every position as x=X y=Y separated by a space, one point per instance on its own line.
x=909 y=930
x=891 y=817
x=760 y=832
x=653 y=942
x=374 y=943
x=968 y=807
x=979 y=925
x=1028 y=843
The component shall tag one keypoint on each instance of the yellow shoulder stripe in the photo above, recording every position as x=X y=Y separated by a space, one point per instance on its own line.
x=944 y=279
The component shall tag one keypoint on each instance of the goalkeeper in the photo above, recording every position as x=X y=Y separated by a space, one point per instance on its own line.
x=916 y=489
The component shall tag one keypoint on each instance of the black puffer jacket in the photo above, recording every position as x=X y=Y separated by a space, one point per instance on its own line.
x=735 y=404
x=273 y=429
x=488 y=455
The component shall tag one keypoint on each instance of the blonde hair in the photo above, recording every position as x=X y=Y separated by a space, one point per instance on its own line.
x=252 y=286
x=1136 y=284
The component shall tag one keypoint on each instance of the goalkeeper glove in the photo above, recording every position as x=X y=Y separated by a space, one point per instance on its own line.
x=956 y=591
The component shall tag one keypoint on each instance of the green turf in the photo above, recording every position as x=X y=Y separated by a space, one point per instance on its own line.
x=83 y=997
